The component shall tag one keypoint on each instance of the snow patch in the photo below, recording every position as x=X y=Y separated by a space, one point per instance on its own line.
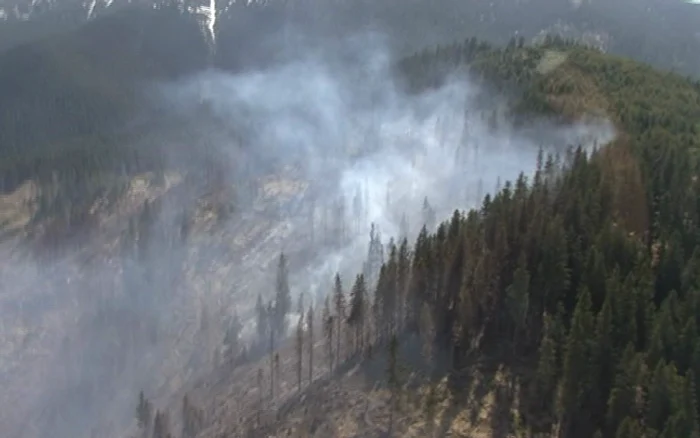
x=212 y=20
x=91 y=8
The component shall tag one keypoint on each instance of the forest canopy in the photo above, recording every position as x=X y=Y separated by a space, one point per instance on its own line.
x=588 y=271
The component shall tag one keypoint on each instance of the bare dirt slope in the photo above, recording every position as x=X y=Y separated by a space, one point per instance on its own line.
x=354 y=401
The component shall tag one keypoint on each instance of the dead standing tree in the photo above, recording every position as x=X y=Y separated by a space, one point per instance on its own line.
x=329 y=329
x=310 y=328
x=300 y=348
x=340 y=304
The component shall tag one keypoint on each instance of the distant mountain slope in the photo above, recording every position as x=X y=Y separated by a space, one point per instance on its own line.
x=71 y=82
x=66 y=101
x=662 y=32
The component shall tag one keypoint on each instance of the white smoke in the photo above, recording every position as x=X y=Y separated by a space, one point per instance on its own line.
x=341 y=116
x=341 y=120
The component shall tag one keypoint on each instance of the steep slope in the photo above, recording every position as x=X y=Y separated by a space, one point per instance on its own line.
x=74 y=115
x=74 y=107
x=565 y=306
x=87 y=83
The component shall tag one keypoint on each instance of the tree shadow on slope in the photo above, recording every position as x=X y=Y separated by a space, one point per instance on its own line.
x=482 y=390
x=467 y=388
x=502 y=409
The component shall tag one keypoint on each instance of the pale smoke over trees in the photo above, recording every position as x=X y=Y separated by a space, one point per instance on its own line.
x=371 y=152
x=398 y=287
x=375 y=258
x=346 y=131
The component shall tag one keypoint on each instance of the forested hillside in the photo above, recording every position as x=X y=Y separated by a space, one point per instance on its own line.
x=85 y=87
x=74 y=105
x=580 y=282
x=588 y=271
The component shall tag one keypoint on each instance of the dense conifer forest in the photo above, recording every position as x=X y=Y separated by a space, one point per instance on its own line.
x=584 y=277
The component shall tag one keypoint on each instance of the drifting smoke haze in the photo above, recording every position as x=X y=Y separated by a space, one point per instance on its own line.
x=338 y=117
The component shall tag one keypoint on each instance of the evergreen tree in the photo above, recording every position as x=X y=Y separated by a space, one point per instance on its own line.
x=358 y=306
x=300 y=304
x=329 y=329
x=403 y=227
x=403 y=269
x=375 y=258
x=428 y=334
x=283 y=300
x=547 y=367
x=192 y=419
x=659 y=408
x=630 y=428
x=310 y=328
x=161 y=425
x=624 y=391
x=300 y=348
x=419 y=279
x=340 y=304
x=603 y=362
x=143 y=412
x=576 y=380
x=277 y=371
x=518 y=300
x=231 y=338
x=386 y=296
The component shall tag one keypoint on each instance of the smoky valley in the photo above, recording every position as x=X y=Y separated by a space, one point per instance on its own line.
x=296 y=218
